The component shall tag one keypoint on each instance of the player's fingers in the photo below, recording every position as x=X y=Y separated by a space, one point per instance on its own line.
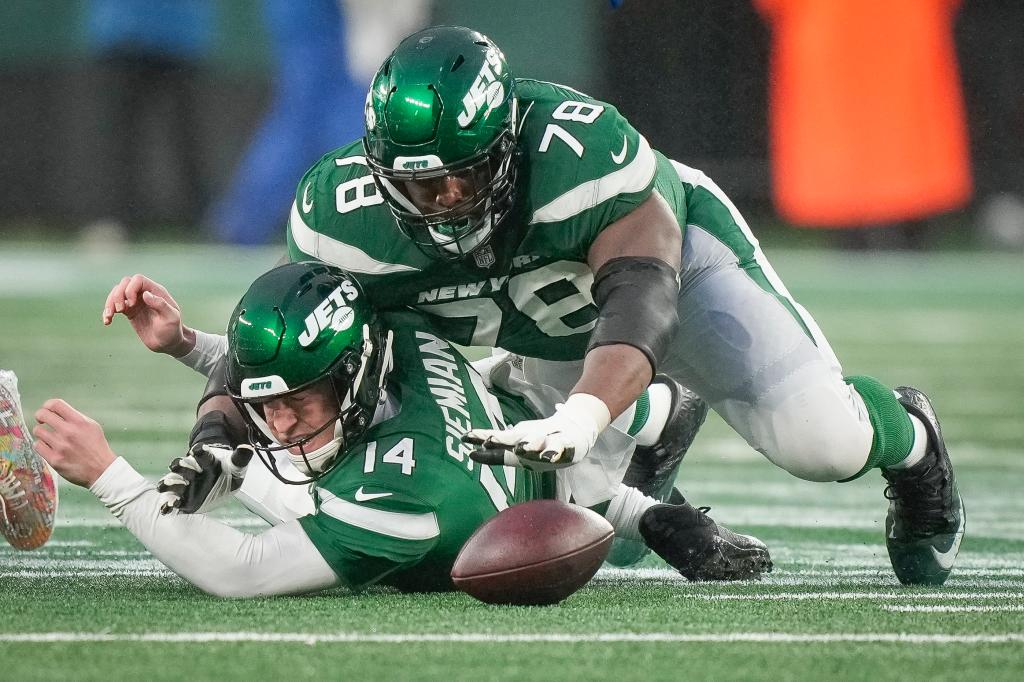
x=476 y=436
x=188 y=462
x=155 y=302
x=137 y=283
x=492 y=438
x=169 y=501
x=242 y=455
x=160 y=290
x=528 y=447
x=43 y=436
x=51 y=437
x=172 y=481
x=63 y=410
x=495 y=457
x=115 y=300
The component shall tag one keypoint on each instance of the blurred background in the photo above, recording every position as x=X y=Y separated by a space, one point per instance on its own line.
x=891 y=125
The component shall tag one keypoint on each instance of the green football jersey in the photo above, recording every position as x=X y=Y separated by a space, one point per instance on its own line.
x=583 y=166
x=401 y=503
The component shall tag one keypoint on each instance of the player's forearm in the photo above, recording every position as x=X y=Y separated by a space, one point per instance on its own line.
x=213 y=556
x=616 y=374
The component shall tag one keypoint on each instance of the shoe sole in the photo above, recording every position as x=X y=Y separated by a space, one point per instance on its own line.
x=920 y=564
x=744 y=564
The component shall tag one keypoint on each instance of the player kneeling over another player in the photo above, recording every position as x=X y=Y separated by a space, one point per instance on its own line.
x=368 y=409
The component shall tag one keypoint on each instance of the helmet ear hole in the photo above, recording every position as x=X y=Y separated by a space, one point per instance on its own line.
x=459 y=61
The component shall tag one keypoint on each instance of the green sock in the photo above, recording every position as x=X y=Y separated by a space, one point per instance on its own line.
x=894 y=434
x=643 y=411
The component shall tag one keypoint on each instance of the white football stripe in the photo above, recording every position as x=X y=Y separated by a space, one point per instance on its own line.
x=632 y=177
x=951 y=609
x=824 y=596
x=335 y=252
x=393 y=524
x=473 y=638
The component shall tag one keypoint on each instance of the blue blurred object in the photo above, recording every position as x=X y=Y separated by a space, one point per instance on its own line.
x=615 y=3
x=316 y=107
x=172 y=28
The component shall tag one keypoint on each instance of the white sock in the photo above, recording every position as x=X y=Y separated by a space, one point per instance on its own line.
x=625 y=510
x=660 y=397
x=918 y=449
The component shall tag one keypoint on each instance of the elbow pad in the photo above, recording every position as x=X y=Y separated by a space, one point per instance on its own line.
x=636 y=300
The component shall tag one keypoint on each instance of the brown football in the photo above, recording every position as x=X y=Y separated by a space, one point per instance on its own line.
x=534 y=553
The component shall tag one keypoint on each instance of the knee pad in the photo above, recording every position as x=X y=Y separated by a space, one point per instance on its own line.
x=819 y=433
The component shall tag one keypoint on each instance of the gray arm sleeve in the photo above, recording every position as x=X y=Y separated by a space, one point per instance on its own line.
x=208 y=350
x=211 y=555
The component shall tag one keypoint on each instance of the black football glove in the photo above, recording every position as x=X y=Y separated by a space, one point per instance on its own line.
x=205 y=476
x=212 y=469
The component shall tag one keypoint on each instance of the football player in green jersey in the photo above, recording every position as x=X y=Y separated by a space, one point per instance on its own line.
x=368 y=408
x=527 y=216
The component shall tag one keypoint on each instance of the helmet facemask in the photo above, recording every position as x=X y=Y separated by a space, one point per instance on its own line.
x=348 y=385
x=442 y=115
x=486 y=182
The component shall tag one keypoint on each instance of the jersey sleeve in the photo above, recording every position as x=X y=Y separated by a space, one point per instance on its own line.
x=365 y=534
x=589 y=166
x=305 y=216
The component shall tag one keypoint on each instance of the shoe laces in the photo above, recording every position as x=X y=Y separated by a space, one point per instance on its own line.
x=920 y=498
x=703 y=518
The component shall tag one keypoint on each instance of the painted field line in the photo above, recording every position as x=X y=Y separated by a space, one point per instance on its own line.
x=952 y=609
x=81 y=564
x=471 y=638
x=46 y=575
x=58 y=570
x=824 y=596
x=111 y=522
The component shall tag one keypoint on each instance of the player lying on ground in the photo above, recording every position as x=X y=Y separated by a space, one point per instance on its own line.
x=370 y=409
x=528 y=216
x=705 y=551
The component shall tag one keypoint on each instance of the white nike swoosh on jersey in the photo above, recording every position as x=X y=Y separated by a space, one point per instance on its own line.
x=307 y=205
x=618 y=158
x=366 y=497
x=945 y=559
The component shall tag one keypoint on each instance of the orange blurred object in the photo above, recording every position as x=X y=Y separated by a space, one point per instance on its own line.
x=867 y=117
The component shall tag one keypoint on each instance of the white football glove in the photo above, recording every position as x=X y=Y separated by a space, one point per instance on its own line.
x=562 y=439
x=203 y=478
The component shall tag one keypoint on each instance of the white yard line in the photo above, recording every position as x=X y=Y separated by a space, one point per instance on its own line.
x=470 y=638
x=826 y=596
x=952 y=609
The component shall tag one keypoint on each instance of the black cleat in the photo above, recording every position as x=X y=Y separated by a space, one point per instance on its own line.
x=699 y=548
x=926 y=518
x=652 y=469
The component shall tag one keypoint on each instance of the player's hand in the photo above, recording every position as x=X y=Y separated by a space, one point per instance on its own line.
x=71 y=442
x=208 y=474
x=153 y=313
x=543 y=444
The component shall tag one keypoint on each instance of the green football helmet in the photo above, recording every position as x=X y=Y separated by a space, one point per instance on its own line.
x=441 y=123
x=306 y=327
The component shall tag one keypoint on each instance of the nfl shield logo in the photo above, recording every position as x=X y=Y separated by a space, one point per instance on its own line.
x=484 y=257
